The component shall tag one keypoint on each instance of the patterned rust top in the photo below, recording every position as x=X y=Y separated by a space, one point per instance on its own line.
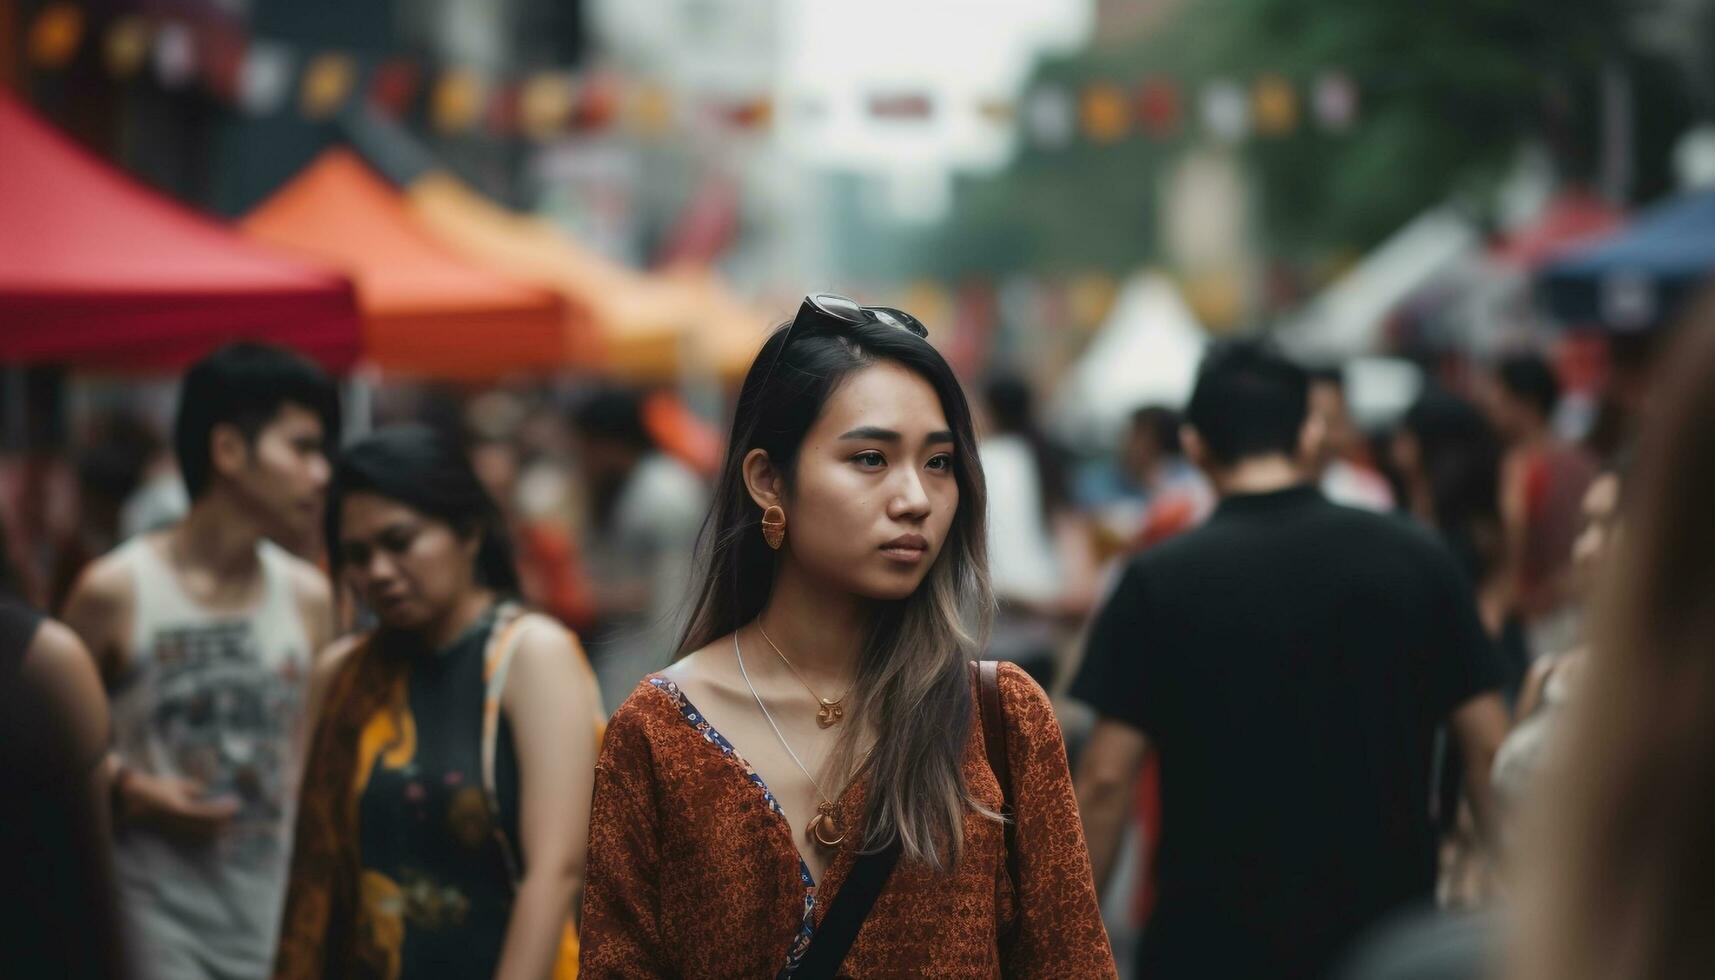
x=693 y=873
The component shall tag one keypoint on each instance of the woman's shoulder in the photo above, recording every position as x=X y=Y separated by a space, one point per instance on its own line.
x=646 y=713
x=1018 y=689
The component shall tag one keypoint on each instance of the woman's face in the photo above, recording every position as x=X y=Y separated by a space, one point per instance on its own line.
x=409 y=568
x=875 y=492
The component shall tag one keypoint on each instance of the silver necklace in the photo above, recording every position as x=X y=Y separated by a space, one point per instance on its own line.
x=823 y=825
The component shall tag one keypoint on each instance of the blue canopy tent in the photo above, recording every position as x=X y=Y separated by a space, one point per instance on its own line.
x=1639 y=278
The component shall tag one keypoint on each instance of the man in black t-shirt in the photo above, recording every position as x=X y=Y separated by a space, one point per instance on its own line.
x=1290 y=661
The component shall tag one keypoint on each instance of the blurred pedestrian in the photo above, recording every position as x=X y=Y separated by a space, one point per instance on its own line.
x=1039 y=563
x=58 y=912
x=1543 y=479
x=644 y=511
x=808 y=788
x=1620 y=843
x=1449 y=458
x=446 y=804
x=204 y=634
x=1342 y=464
x=1290 y=661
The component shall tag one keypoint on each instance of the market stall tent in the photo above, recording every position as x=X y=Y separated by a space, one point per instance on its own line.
x=98 y=271
x=634 y=325
x=1638 y=278
x=427 y=312
x=1146 y=353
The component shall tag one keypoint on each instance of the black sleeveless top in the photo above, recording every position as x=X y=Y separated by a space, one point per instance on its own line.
x=435 y=886
x=57 y=911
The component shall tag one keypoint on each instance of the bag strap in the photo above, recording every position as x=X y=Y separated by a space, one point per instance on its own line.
x=509 y=629
x=839 y=928
x=994 y=741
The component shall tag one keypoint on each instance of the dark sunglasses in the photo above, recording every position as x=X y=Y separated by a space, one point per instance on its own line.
x=836 y=311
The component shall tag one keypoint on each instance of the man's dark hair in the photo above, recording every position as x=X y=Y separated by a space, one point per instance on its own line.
x=1529 y=378
x=1249 y=401
x=614 y=415
x=245 y=385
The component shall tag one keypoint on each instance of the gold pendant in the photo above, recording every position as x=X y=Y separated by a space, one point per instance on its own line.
x=824 y=821
x=830 y=714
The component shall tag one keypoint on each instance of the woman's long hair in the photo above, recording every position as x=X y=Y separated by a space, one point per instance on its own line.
x=912 y=680
x=426 y=472
x=1625 y=877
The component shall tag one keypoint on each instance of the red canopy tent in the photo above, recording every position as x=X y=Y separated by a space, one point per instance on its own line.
x=98 y=271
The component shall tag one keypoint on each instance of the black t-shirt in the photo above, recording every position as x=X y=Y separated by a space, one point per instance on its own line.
x=1290 y=662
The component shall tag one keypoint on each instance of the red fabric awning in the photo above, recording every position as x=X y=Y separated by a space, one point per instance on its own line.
x=97 y=270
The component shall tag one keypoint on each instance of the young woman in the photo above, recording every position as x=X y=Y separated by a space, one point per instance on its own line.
x=820 y=716
x=445 y=806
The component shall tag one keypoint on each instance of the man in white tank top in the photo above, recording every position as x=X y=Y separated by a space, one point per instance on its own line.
x=205 y=634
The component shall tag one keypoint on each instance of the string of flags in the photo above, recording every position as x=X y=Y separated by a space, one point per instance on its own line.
x=259 y=77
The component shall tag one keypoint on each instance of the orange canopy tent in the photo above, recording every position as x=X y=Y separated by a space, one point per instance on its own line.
x=426 y=311
x=641 y=327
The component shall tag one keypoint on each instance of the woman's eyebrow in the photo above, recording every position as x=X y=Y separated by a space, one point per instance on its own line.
x=875 y=434
x=870 y=432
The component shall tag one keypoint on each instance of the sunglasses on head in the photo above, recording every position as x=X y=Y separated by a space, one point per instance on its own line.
x=836 y=311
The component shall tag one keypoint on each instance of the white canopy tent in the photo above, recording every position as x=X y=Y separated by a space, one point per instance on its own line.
x=1146 y=353
x=1346 y=319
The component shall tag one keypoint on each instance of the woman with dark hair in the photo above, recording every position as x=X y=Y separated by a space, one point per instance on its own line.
x=445 y=806
x=812 y=785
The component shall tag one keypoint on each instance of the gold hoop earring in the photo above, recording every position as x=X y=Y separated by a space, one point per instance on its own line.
x=774 y=526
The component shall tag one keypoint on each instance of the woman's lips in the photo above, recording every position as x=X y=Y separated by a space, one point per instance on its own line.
x=908 y=548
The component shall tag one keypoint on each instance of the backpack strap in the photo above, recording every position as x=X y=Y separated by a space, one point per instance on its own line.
x=987 y=695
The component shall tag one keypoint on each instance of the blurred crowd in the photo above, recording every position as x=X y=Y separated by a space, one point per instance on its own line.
x=604 y=492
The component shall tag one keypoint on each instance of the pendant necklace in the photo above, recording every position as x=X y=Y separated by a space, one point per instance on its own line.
x=823 y=828
x=831 y=711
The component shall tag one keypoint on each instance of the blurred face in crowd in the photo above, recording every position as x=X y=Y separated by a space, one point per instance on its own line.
x=875 y=490
x=1328 y=403
x=604 y=461
x=1514 y=418
x=1141 y=452
x=1595 y=543
x=281 y=476
x=410 y=569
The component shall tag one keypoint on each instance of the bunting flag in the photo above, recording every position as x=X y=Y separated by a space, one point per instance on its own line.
x=257 y=76
x=1106 y=113
x=545 y=105
x=458 y=101
x=328 y=82
x=651 y=109
x=1049 y=117
x=56 y=35
x=1336 y=101
x=1158 y=107
x=393 y=86
x=175 y=55
x=126 y=47
x=264 y=79
x=902 y=106
x=1274 y=105
x=1226 y=111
